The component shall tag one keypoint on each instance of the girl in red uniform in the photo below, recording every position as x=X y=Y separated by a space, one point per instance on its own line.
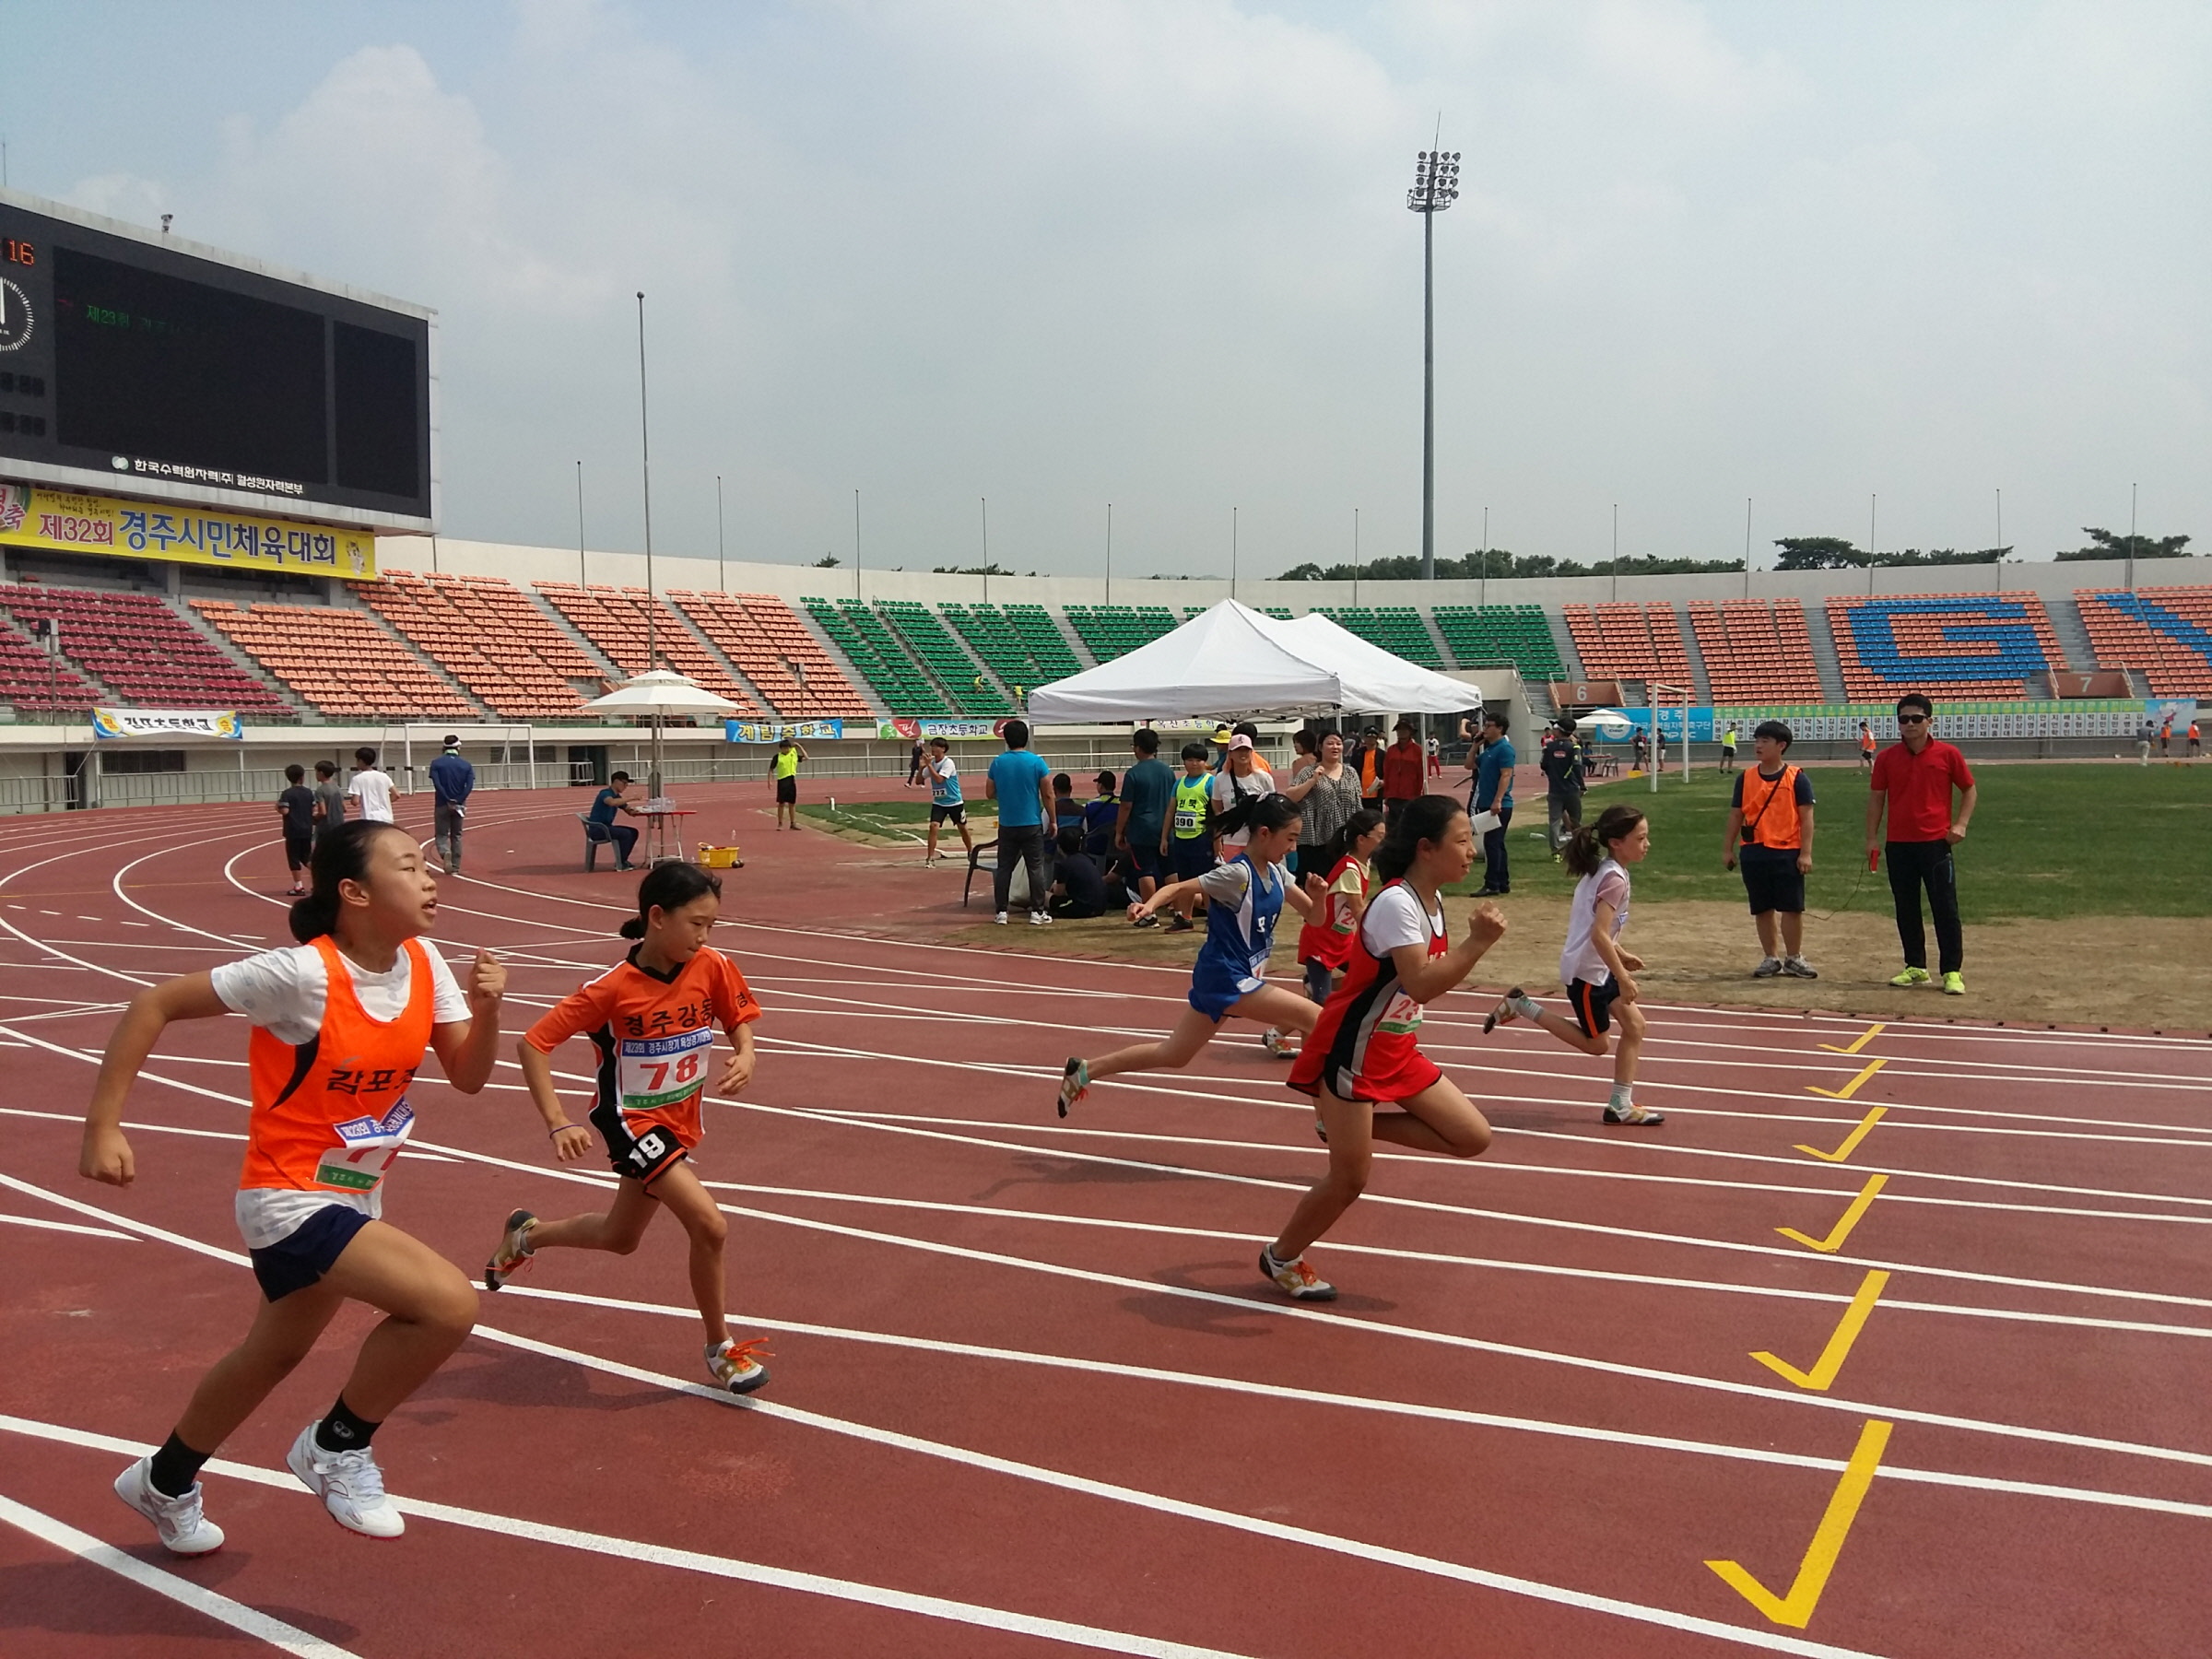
x=340 y=1025
x=652 y=1018
x=1366 y=1052
x=1324 y=943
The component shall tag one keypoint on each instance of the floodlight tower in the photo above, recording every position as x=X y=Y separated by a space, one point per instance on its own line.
x=1435 y=188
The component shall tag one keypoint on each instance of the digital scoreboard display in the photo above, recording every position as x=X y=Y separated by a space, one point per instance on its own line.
x=134 y=364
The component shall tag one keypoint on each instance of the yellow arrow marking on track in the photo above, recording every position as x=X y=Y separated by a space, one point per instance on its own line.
x=1863 y=1038
x=1850 y=1141
x=1839 y=1345
x=1842 y=1230
x=1795 y=1609
x=1851 y=1088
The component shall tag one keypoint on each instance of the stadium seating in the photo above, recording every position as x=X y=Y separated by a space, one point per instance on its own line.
x=868 y=646
x=1510 y=634
x=1023 y=652
x=1976 y=646
x=1041 y=635
x=1398 y=629
x=971 y=692
x=488 y=636
x=615 y=620
x=2164 y=633
x=31 y=679
x=1112 y=631
x=1629 y=642
x=771 y=648
x=1756 y=651
x=142 y=651
x=337 y=660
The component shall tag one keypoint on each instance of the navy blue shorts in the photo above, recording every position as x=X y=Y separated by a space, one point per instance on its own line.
x=1194 y=858
x=308 y=1251
x=1592 y=1004
x=1145 y=858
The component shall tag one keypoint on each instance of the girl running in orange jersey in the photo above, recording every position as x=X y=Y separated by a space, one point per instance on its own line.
x=340 y=1025
x=652 y=1018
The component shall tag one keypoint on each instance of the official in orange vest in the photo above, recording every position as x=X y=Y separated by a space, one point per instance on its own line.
x=1771 y=815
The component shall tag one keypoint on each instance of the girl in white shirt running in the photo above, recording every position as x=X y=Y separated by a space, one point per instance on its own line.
x=1593 y=966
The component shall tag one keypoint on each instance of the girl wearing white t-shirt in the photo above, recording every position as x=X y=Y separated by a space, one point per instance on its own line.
x=1365 y=1053
x=341 y=1024
x=1593 y=966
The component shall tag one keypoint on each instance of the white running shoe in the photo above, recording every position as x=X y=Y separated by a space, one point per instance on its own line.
x=1797 y=967
x=736 y=1365
x=1278 y=1045
x=1040 y=919
x=1295 y=1279
x=1000 y=918
x=183 y=1529
x=1767 y=968
x=350 y=1485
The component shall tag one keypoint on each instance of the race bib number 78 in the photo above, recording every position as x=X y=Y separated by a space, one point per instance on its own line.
x=653 y=1072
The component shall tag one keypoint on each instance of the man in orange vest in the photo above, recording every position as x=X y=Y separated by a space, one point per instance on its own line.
x=2194 y=740
x=1771 y=814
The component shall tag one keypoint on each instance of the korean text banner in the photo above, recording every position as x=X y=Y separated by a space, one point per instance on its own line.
x=35 y=516
x=938 y=728
x=764 y=731
x=110 y=723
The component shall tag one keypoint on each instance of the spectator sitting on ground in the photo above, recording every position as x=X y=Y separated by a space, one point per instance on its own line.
x=1068 y=812
x=1079 y=884
x=1100 y=813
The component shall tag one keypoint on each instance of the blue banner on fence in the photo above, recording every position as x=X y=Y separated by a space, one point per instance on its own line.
x=765 y=731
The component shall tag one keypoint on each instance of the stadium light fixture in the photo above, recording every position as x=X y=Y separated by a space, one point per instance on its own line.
x=1435 y=188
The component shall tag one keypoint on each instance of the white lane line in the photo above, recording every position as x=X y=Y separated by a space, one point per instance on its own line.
x=68 y=1226
x=625 y=1549
x=247 y=1621
x=1161 y=1230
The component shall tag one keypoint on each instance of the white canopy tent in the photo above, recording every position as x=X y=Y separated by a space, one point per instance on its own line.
x=1232 y=660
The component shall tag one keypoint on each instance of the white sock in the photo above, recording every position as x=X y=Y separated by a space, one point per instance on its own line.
x=1528 y=1006
x=1621 y=1099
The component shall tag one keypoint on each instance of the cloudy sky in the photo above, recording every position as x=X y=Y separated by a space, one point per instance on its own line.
x=1058 y=254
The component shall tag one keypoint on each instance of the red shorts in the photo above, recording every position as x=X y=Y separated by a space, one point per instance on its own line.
x=1413 y=1072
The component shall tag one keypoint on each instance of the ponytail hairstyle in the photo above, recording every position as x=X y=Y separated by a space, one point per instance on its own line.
x=669 y=887
x=1592 y=843
x=341 y=855
x=1259 y=815
x=1426 y=819
x=1339 y=845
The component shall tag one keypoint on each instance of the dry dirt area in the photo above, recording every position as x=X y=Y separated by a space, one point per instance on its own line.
x=2117 y=973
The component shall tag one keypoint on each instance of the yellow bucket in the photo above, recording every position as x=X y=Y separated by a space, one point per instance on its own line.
x=719 y=858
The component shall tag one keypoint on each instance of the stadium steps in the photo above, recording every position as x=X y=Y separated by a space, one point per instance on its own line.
x=1436 y=638
x=943 y=656
x=430 y=665
x=229 y=648
x=719 y=657
x=24 y=663
x=1562 y=641
x=860 y=682
x=1825 y=656
x=2065 y=612
x=574 y=635
x=1697 y=676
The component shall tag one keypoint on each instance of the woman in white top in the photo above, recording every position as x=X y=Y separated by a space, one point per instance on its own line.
x=1593 y=966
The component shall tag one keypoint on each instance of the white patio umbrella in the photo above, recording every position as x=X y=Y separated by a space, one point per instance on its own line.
x=1607 y=722
x=657 y=692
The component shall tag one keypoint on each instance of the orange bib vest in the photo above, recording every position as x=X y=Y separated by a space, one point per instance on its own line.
x=1770 y=808
x=331 y=1114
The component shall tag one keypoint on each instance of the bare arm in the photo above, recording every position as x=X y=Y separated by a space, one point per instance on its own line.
x=738 y=1071
x=1120 y=826
x=571 y=1141
x=1425 y=978
x=1875 y=802
x=1735 y=830
x=106 y=1155
x=1303 y=902
x=1162 y=897
x=1615 y=959
x=1966 y=813
x=467 y=1048
x=1805 y=840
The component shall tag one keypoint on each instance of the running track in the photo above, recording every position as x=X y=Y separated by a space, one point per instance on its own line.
x=1029 y=1394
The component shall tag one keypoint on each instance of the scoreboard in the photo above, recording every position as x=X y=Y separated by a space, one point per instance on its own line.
x=136 y=364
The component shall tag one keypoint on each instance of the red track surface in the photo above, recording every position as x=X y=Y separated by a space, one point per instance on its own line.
x=1028 y=1367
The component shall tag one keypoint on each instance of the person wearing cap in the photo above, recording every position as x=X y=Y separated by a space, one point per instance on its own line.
x=1403 y=772
x=452 y=780
x=1100 y=813
x=1561 y=761
x=1771 y=814
x=1220 y=742
x=1239 y=783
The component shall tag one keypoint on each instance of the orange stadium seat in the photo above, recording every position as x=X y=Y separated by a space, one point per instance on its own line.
x=1756 y=651
x=614 y=620
x=338 y=661
x=2163 y=633
x=486 y=634
x=1630 y=642
x=771 y=647
x=1967 y=647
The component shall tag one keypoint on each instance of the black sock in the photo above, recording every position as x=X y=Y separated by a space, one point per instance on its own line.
x=175 y=1467
x=342 y=1430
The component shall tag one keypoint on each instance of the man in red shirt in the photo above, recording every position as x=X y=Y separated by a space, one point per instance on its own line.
x=1405 y=771
x=1913 y=779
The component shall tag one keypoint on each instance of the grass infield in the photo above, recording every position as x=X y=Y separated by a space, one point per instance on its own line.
x=2048 y=841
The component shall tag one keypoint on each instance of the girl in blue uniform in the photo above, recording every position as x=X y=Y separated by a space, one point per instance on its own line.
x=1244 y=896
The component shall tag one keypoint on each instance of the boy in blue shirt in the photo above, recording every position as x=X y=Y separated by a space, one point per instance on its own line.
x=944 y=802
x=1494 y=792
x=1022 y=785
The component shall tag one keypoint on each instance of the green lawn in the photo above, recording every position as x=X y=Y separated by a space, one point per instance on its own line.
x=2048 y=841
x=901 y=818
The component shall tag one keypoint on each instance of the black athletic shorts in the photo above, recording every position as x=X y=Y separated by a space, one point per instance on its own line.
x=955 y=814
x=1772 y=880
x=636 y=1157
x=308 y=1251
x=299 y=848
x=787 y=791
x=1592 y=1004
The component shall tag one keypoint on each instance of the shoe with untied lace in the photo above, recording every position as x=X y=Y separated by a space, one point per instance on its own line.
x=350 y=1485
x=1767 y=968
x=737 y=1365
x=513 y=1253
x=1295 y=1279
x=1638 y=1117
x=1075 y=1083
x=178 y=1521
